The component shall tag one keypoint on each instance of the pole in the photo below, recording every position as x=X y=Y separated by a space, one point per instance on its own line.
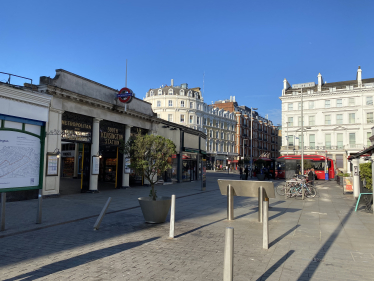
x=3 y=200
x=302 y=143
x=251 y=142
x=287 y=137
x=101 y=216
x=40 y=201
x=230 y=203
x=172 y=217
x=265 y=224
x=228 y=263
x=260 y=201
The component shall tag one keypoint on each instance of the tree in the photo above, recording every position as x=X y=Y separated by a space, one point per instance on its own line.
x=149 y=156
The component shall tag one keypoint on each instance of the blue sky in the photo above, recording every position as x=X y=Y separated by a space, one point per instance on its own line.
x=245 y=48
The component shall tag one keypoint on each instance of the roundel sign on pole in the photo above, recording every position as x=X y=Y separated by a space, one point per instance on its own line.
x=125 y=95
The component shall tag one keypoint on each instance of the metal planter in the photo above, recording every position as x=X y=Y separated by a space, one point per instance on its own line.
x=155 y=211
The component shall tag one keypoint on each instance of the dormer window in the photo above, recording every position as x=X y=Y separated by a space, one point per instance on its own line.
x=190 y=93
x=151 y=93
x=170 y=91
x=181 y=92
x=159 y=92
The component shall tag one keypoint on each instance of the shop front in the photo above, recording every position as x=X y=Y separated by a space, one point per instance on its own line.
x=189 y=167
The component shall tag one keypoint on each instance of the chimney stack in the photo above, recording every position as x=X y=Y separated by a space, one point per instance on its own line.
x=359 y=77
x=172 y=82
x=230 y=98
x=320 y=82
x=233 y=98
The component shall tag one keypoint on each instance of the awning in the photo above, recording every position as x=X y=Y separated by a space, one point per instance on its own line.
x=368 y=150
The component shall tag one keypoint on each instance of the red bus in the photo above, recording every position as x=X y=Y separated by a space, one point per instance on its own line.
x=291 y=164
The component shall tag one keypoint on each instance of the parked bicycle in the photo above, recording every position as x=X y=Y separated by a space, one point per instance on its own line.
x=295 y=186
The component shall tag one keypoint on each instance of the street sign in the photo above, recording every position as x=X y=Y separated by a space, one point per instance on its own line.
x=125 y=95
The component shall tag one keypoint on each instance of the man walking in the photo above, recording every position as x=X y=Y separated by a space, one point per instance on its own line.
x=246 y=173
x=241 y=172
x=311 y=176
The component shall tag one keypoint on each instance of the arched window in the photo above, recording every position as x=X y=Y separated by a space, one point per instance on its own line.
x=190 y=93
x=181 y=92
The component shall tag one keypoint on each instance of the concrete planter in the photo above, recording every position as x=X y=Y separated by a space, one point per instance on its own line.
x=155 y=211
x=261 y=177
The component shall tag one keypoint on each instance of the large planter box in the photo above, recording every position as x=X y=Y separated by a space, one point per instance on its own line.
x=155 y=211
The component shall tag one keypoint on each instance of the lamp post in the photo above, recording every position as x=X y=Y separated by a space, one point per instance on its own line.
x=252 y=138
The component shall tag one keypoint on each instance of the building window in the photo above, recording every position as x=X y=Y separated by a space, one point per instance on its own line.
x=222 y=136
x=350 y=87
x=339 y=140
x=182 y=103
x=290 y=140
x=170 y=117
x=339 y=103
x=182 y=118
x=170 y=91
x=339 y=118
x=352 y=139
x=158 y=103
x=170 y=103
x=312 y=141
x=369 y=117
x=191 y=119
x=369 y=100
x=352 y=118
x=311 y=105
x=205 y=121
x=216 y=146
x=211 y=122
x=311 y=120
x=368 y=135
x=310 y=91
x=327 y=103
x=299 y=105
x=159 y=92
x=222 y=125
x=198 y=106
x=290 y=106
x=299 y=121
x=181 y=92
x=210 y=133
x=332 y=89
x=191 y=104
x=197 y=120
x=351 y=101
x=217 y=135
x=328 y=141
x=327 y=119
x=290 y=121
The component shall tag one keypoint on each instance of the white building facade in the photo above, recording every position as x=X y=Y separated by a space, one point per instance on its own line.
x=337 y=118
x=186 y=106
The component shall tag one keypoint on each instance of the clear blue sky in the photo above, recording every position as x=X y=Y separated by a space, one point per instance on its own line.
x=245 y=48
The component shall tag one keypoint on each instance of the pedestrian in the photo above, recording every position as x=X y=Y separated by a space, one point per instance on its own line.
x=311 y=177
x=246 y=172
x=241 y=172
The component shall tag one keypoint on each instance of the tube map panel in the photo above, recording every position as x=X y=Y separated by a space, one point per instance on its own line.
x=19 y=159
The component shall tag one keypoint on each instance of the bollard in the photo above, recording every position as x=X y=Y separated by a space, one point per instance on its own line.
x=101 y=216
x=265 y=224
x=260 y=199
x=228 y=262
x=3 y=200
x=39 y=212
x=230 y=203
x=172 y=217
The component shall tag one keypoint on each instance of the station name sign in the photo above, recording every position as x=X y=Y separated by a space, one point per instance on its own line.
x=76 y=127
x=111 y=133
x=304 y=85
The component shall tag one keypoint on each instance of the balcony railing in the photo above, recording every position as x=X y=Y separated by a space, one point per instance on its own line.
x=318 y=147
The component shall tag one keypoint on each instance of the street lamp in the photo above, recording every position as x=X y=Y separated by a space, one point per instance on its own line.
x=252 y=139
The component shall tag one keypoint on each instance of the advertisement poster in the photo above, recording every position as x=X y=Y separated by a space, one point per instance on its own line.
x=127 y=165
x=19 y=160
x=95 y=165
x=347 y=184
x=52 y=165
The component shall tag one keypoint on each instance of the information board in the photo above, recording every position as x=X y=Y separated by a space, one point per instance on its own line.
x=52 y=164
x=19 y=159
x=95 y=165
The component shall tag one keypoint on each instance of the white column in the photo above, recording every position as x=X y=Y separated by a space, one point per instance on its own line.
x=356 y=178
x=94 y=151
x=126 y=177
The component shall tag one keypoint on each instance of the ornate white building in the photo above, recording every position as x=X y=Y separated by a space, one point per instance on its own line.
x=185 y=106
x=338 y=117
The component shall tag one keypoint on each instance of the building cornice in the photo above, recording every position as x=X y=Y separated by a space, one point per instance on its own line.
x=25 y=96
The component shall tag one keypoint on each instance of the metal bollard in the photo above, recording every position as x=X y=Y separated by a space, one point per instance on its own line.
x=3 y=200
x=172 y=217
x=39 y=212
x=230 y=203
x=228 y=262
x=265 y=224
x=260 y=199
x=101 y=216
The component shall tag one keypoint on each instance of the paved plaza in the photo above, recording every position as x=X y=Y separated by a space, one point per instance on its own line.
x=316 y=239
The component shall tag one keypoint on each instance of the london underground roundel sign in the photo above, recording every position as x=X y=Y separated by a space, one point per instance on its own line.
x=125 y=95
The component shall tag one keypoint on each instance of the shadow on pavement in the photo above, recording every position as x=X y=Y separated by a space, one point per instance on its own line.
x=78 y=260
x=272 y=269
x=282 y=211
x=313 y=265
x=283 y=235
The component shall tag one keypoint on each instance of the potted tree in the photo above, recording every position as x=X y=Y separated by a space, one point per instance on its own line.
x=149 y=157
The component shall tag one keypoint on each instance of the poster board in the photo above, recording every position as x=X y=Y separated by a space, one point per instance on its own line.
x=52 y=164
x=127 y=169
x=347 y=184
x=95 y=165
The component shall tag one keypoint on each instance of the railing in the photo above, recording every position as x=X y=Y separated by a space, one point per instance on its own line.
x=332 y=147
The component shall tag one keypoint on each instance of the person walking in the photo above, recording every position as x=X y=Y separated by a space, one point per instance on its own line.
x=311 y=177
x=241 y=172
x=246 y=173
